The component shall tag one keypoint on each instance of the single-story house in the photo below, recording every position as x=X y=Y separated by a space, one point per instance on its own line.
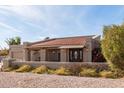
x=66 y=49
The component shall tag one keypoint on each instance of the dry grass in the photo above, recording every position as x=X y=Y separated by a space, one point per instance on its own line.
x=63 y=71
x=87 y=72
x=40 y=70
x=24 y=68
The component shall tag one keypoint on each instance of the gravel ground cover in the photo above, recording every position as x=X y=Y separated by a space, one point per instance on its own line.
x=29 y=80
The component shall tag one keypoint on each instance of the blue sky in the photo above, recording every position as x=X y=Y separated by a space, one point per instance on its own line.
x=33 y=23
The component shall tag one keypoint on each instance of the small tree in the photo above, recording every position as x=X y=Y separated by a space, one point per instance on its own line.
x=113 y=46
x=17 y=40
x=13 y=41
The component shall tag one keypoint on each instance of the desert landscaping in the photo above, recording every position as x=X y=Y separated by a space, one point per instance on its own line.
x=29 y=80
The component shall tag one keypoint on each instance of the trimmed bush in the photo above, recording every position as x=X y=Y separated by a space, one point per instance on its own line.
x=63 y=71
x=24 y=68
x=87 y=72
x=40 y=70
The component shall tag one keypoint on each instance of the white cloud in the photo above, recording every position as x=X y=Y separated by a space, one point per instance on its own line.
x=52 y=16
x=28 y=12
x=9 y=27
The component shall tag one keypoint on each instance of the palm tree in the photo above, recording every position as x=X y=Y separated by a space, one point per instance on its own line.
x=17 y=40
x=13 y=41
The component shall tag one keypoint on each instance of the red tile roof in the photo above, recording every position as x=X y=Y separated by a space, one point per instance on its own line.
x=79 y=40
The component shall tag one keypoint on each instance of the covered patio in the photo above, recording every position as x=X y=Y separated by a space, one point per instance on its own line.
x=57 y=54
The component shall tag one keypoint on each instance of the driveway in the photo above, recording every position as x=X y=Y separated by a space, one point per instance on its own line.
x=29 y=80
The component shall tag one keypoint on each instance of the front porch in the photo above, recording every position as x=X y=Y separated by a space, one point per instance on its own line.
x=56 y=54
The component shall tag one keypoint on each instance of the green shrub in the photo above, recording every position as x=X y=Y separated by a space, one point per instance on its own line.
x=24 y=68
x=63 y=71
x=87 y=72
x=118 y=74
x=40 y=70
x=113 y=46
x=8 y=69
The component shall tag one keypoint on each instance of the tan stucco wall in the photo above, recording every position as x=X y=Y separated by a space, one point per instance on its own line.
x=16 y=51
x=96 y=42
x=19 y=52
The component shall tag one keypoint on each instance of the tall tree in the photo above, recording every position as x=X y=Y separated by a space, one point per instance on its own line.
x=113 y=46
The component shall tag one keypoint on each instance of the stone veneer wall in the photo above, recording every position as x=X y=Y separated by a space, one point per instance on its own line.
x=55 y=65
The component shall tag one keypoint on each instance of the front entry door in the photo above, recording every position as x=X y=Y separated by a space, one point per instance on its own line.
x=76 y=55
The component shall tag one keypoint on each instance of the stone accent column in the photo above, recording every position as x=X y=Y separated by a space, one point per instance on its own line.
x=63 y=55
x=43 y=54
x=87 y=52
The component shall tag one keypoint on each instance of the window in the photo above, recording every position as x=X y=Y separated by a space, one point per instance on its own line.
x=75 y=54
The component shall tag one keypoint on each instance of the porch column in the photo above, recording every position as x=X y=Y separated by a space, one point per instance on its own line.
x=31 y=55
x=63 y=55
x=25 y=51
x=43 y=54
x=25 y=54
x=87 y=52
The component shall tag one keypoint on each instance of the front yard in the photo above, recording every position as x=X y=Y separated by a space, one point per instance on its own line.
x=27 y=80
